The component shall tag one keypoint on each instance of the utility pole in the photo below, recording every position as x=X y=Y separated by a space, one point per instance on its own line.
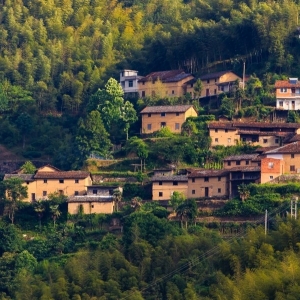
x=244 y=70
x=294 y=202
x=266 y=222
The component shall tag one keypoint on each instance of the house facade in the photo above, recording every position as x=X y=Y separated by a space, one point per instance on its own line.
x=208 y=184
x=156 y=117
x=129 y=81
x=288 y=94
x=163 y=187
x=214 y=84
x=171 y=83
x=254 y=133
x=48 y=180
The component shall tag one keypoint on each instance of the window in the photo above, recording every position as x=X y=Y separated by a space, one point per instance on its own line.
x=163 y=114
x=160 y=194
x=76 y=180
x=44 y=193
x=254 y=140
x=292 y=155
x=163 y=124
x=61 y=192
x=130 y=83
x=143 y=82
x=149 y=115
x=219 y=178
x=177 y=126
x=270 y=165
x=207 y=81
x=95 y=192
x=229 y=140
x=206 y=179
x=281 y=103
x=219 y=191
x=271 y=177
x=283 y=90
x=238 y=163
x=175 y=182
x=215 y=79
x=143 y=93
x=276 y=141
x=292 y=168
x=265 y=141
x=215 y=91
x=229 y=163
x=244 y=139
x=216 y=130
x=61 y=181
x=177 y=114
x=193 y=179
x=45 y=180
x=173 y=92
x=193 y=192
x=226 y=130
x=27 y=182
x=76 y=193
x=92 y=205
x=149 y=126
x=160 y=183
x=216 y=140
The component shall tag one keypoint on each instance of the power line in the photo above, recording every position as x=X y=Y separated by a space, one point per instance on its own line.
x=207 y=254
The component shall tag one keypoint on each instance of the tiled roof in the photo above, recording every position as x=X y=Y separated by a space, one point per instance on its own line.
x=295 y=138
x=24 y=177
x=286 y=84
x=62 y=175
x=214 y=75
x=289 y=148
x=263 y=133
x=208 y=173
x=237 y=125
x=49 y=166
x=166 y=109
x=264 y=149
x=245 y=169
x=182 y=178
x=166 y=76
x=88 y=198
x=241 y=157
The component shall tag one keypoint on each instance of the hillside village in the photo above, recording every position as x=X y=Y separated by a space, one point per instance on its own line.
x=274 y=154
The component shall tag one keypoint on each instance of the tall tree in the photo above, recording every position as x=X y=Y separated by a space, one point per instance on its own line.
x=28 y=168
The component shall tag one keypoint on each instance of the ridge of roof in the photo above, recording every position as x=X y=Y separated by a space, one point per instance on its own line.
x=62 y=175
x=218 y=124
x=166 y=76
x=165 y=108
x=289 y=148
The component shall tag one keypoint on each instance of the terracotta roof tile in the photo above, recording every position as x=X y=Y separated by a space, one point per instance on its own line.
x=245 y=169
x=166 y=109
x=240 y=157
x=62 y=175
x=208 y=173
x=286 y=84
x=88 y=198
x=295 y=138
x=289 y=148
x=24 y=177
x=240 y=125
x=181 y=178
x=166 y=76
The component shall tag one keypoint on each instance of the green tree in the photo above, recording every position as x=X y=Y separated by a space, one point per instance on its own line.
x=187 y=211
x=139 y=147
x=15 y=192
x=198 y=87
x=28 y=168
x=117 y=196
x=177 y=199
x=128 y=116
x=39 y=208
x=25 y=125
x=227 y=107
x=244 y=191
x=55 y=213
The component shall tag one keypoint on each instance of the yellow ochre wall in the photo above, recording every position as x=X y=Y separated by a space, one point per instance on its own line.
x=167 y=188
x=213 y=185
x=91 y=207
x=163 y=89
x=229 y=138
x=170 y=119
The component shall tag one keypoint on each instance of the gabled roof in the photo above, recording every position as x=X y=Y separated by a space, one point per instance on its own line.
x=24 y=177
x=62 y=175
x=289 y=148
x=240 y=157
x=87 y=198
x=237 y=125
x=295 y=138
x=166 y=76
x=165 y=109
x=208 y=173
x=286 y=84
x=214 y=75
x=182 y=178
x=49 y=166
